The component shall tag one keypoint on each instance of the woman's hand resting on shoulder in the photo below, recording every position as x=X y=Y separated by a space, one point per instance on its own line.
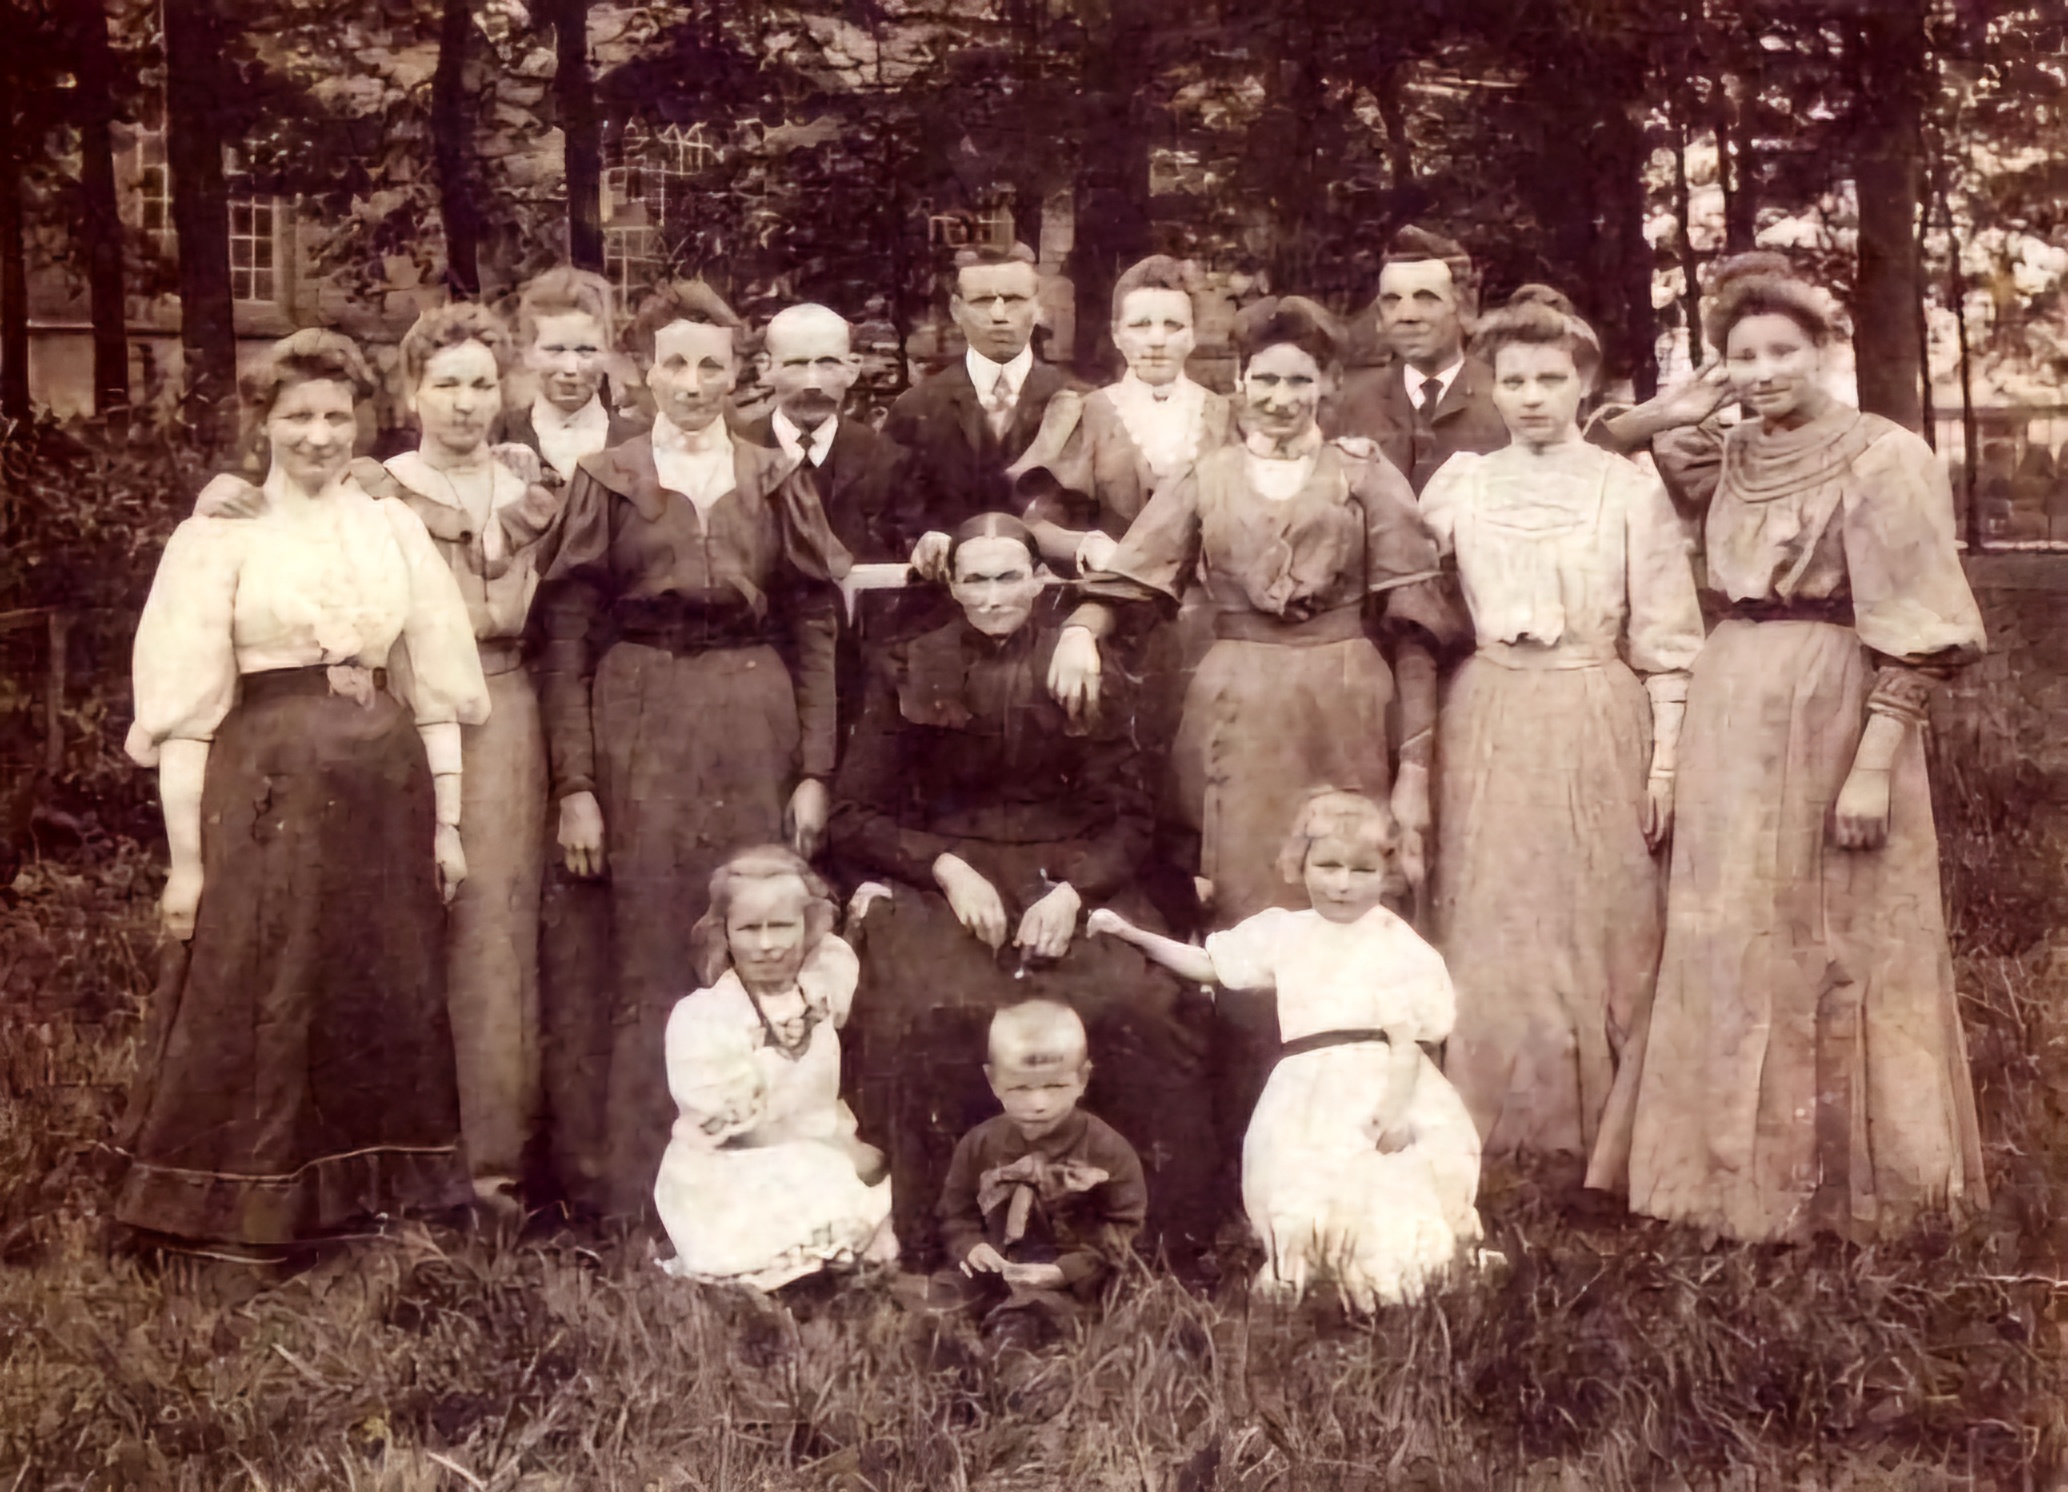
x=1048 y=925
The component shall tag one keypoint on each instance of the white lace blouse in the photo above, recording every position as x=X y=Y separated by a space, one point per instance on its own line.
x=234 y=596
x=1574 y=549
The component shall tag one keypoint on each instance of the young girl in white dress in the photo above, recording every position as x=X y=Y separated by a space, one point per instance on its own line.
x=763 y=1181
x=1361 y=1164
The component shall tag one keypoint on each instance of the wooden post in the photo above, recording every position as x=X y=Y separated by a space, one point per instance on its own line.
x=60 y=627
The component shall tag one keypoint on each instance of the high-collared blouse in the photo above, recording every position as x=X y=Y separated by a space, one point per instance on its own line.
x=1349 y=529
x=1572 y=549
x=1126 y=444
x=234 y=596
x=497 y=578
x=630 y=551
x=1848 y=505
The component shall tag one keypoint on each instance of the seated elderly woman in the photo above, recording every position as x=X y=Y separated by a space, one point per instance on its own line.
x=997 y=825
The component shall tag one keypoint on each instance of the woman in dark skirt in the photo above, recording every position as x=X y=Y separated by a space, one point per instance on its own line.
x=996 y=825
x=690 y=612
x=300 y=1078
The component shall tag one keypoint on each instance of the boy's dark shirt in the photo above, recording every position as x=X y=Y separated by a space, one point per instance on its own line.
x=1085 y=1233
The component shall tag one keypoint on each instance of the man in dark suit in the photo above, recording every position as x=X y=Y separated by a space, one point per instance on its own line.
x=967 y=423
x=811 y=365
x=1431 y=400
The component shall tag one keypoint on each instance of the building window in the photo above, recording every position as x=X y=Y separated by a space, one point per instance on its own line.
x=153 y=188
x=252 y=223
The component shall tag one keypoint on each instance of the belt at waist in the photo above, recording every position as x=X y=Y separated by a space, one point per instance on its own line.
x=1537 y=655
x=1320 y=1040
x=1835 y=611
x=500 y=654
x=317 y=678
x=696 y=632
x=1343 y=624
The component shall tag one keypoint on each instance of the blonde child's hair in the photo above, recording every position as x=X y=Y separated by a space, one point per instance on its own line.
x=708 y=948
x=1328 y=813
x=1038 y=1033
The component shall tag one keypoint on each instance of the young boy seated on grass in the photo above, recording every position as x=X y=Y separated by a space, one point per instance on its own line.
x=1042 y=1203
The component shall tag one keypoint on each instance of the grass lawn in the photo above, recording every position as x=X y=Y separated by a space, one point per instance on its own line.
x=1610 y=1354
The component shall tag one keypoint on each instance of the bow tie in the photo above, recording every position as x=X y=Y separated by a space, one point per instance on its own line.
x=1033 y=1176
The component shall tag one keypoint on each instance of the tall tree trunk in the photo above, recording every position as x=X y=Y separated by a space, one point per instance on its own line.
x=452 y=149
x=14 y=269
x=1893 y=63
x=1737 y=169
x=101 y=222
x=581 y=133
x=1690 y=265
x=1400 y=150
x=195 y=87
x=1112 y=196
x=1630 y=328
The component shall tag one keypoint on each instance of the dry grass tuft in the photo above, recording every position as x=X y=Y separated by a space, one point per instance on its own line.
x=1609 y=1354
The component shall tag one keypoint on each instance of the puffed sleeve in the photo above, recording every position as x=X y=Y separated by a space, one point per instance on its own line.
x=1665 y=623
x=445 y=681
x=1410 y=984
x=1245 y=956
x=1401 y=564
x=1160 y=555
x=576 y=582
x=712 y=1074
x=1911 y=601
x=1448 y=491
x=184 y=666
x=1690 y=460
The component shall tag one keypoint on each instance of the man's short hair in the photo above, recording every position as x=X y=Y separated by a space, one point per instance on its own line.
x=1417 y=245
x=983 y=256
x=804 y=313
x=1038 y=1033
x=1157 y=272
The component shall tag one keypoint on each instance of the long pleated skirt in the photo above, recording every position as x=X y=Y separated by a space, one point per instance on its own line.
x=300 y=1081
x=1804 y=1068
x=1547 y=903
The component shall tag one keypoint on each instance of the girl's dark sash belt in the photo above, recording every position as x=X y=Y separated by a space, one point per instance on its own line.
x=1835 y=611
x=276 y=683
x=1322 y=1039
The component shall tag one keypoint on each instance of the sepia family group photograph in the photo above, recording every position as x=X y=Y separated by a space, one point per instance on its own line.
x=1002 y=745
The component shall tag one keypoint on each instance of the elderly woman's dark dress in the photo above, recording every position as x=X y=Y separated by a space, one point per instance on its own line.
x=960 y=750
x=687 y=681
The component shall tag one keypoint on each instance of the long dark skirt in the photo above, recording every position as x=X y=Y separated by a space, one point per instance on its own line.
x=918 y=1035
x=300 y=1079
x=697 y=752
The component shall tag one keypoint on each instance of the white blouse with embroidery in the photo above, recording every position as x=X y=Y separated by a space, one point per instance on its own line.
x=234 y=596
x=1570 y=549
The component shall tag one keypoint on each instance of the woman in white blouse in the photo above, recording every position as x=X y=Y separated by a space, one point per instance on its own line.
x=1555 y=763
x=300 y=1080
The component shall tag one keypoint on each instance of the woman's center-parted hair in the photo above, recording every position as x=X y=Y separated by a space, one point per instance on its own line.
x=992 y=526
x=1333 y=813
x=710 y=950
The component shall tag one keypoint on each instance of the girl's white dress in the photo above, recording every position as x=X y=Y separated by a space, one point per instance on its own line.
x=756 y=1187
x=1326 y=1203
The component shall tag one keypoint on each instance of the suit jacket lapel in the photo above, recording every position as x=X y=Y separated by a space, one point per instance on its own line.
x=1459 y=396
x=1040 y=386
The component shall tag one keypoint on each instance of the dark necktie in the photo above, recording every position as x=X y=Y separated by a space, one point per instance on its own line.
x=1432 y=395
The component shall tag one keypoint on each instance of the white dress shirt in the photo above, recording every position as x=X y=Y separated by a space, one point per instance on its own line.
x=695 y=463
x=565 y=438
x=805 y=445
x=1415 y=378
x=999 y=384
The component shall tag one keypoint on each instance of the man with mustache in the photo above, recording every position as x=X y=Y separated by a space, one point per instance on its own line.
x=1430 y=401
